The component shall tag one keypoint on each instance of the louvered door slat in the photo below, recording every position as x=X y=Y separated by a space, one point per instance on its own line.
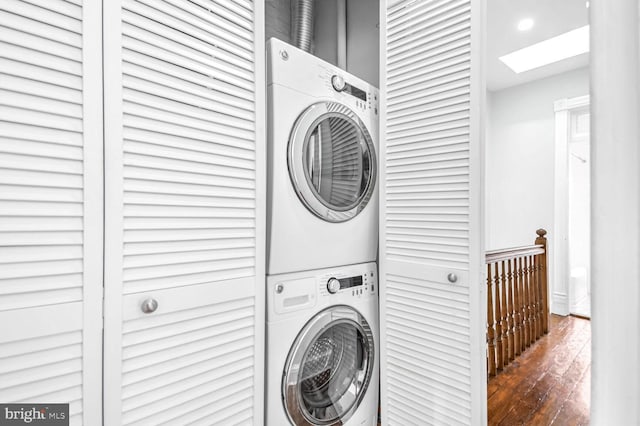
x=230 y=12
x=432 y=363
x=68 y=8
x=40 y=44
x=185 y=199
x=141 y=16
x=226 y=94
x=54 y=34
x=68 y=99
x=148 y=83
x=41 y=11
x=33 y=73
x=42 y=59
x=42 y=104
x=230 y=39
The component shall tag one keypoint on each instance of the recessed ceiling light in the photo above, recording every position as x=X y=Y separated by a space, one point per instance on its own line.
x=546 y=52
x=587 y=4
x=525 y=24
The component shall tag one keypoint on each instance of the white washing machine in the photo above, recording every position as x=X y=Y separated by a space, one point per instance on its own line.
x=322 y=187
x=322 y=347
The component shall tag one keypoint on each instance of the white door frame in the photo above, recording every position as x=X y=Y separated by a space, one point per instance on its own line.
x=615 y=200
x=560 y=292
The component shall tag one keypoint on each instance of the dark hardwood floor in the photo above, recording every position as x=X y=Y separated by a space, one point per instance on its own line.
x=549 y=384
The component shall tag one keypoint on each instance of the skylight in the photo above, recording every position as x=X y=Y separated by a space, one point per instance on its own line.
x=546 y=52
x=525 y=24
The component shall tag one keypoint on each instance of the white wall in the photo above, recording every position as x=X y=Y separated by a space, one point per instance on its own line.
x=325 y=30
x=278 y=19
x=520 y=157
x=363 y=35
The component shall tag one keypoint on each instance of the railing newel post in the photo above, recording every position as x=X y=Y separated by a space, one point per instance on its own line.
x=542 y=240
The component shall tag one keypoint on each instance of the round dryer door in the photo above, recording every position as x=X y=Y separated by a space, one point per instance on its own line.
x=328 y=368
x=332 y=161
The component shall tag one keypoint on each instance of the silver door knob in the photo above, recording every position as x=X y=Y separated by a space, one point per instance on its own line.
x=149 y=306
x=452 y=277
x=333 y=285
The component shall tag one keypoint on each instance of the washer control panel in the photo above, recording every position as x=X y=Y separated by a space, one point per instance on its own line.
x=362 y=284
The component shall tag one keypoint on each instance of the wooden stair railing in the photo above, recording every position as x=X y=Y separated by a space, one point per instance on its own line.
x=517 y=301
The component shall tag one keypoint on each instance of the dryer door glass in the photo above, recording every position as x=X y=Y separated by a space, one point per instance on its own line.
x=337 y=162
x=333 y=371
x=332 y=161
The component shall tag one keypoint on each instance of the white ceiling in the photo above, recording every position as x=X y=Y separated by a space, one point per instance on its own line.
x=551 y=17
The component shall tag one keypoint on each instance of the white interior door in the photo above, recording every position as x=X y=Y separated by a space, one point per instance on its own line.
x=185 y=211
x=51 y=205
x=433 y=325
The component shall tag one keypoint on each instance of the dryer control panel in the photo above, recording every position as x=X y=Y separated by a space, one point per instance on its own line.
x=361 y=95
x=295 y=69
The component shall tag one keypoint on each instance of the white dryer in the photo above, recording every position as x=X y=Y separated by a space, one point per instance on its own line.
x=322 y=347
x=322 y=187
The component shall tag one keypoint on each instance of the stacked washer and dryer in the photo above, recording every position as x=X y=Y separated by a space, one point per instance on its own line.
x=322 y=233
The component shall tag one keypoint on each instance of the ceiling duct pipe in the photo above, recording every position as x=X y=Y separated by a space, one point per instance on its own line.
x=303 y=25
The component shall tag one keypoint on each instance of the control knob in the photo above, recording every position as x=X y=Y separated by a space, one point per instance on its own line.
x=333 y=285
x=338 y=83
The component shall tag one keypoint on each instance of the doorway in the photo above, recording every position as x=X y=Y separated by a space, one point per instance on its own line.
x=579 y=217
x=572 y=292
x=522 y=196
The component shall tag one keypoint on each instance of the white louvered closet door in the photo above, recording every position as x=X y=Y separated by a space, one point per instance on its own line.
x=51 y=205
x=185 y=211
x=432 y=321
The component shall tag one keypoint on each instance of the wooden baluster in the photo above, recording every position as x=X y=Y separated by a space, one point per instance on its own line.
x=534 y=306
x=517 y=309
x=532 y=300
x=510 y=310
x=529 y=301
x=499 y=360
x=491 y=348
x=525 y=302
x=542 y=240
x=541 y=295
x=536 y=294
x=525 y=283
x=505 y=315
x=538 y=313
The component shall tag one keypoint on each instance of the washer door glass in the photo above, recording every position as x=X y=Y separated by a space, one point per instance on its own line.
x=329 y=368
x=332 y=161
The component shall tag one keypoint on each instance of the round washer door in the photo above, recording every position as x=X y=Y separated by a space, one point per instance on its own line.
x=329 y=368
x=332 y=161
